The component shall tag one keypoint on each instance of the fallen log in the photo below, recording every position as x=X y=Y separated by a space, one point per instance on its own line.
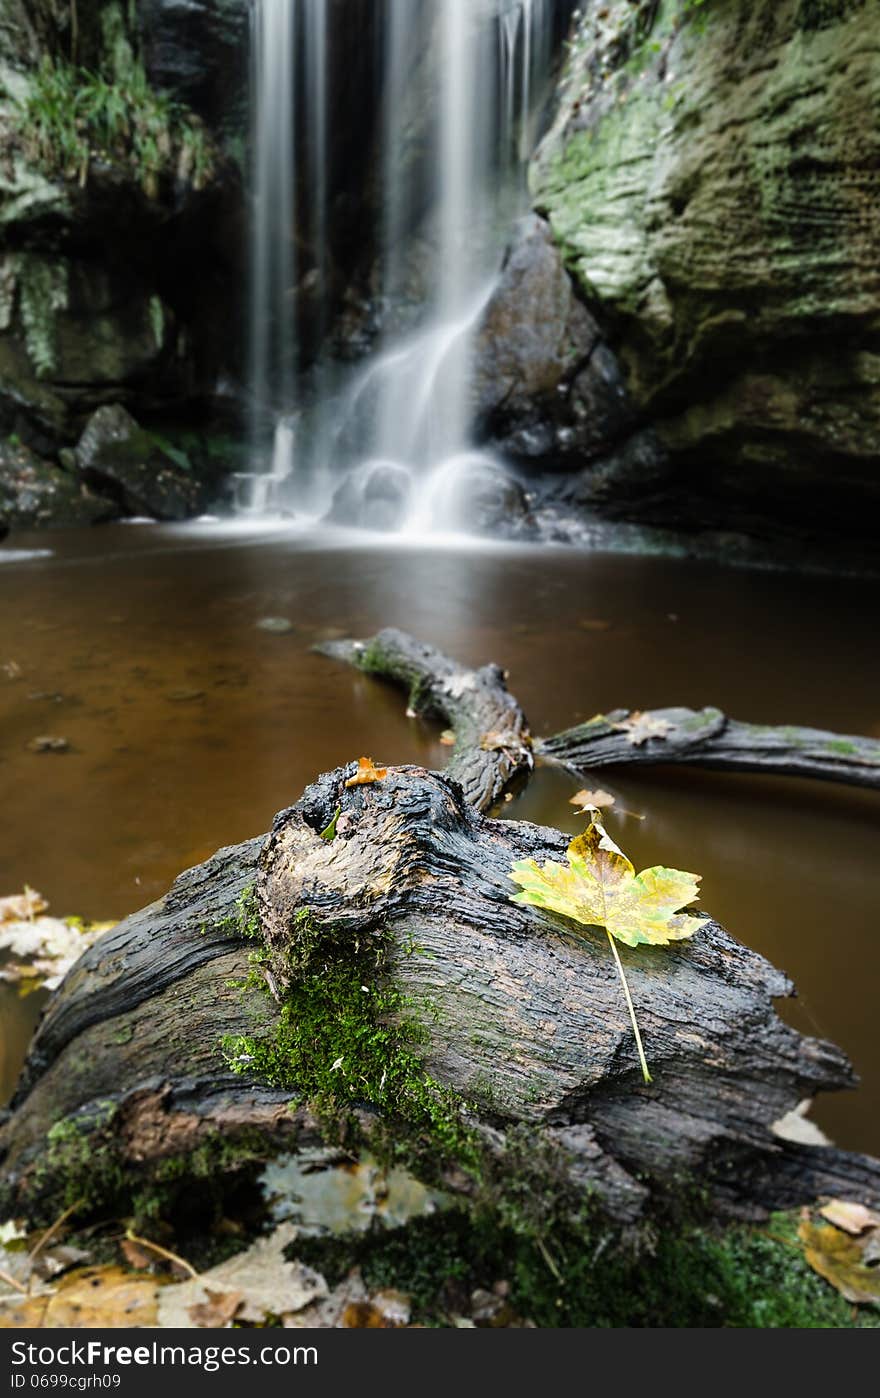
x=477 y=705
x=493 y=746
x=366 y=961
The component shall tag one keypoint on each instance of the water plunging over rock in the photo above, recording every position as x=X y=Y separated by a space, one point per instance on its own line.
x=461 y=84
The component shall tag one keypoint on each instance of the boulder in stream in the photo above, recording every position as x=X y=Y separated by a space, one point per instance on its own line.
x=142 y=472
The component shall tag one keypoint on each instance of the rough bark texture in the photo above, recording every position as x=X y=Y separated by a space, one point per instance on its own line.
x=492 y=741
x=708 y=738
x=523 y=1012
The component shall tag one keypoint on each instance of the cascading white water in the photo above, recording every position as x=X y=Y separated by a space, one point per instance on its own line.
x=459 y=80
x=288 y=57
x=483 y=99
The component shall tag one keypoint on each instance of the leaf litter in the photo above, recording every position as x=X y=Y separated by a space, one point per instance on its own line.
x=41 y=949
x=845 y=1249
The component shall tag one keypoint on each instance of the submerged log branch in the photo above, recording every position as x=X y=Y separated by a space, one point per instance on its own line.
x=476 y=702
x=492 y=742
x=708 y=738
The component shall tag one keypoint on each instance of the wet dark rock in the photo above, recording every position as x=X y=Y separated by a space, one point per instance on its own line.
x=109 y=291
x=35 y=494
x=547 y=389
x=136 y=469
x=198 y=49
x=376 y=495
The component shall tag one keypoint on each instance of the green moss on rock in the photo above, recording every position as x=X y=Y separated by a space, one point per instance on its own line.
x=349 y=1039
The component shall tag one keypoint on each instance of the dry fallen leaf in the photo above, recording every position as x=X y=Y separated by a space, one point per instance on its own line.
x=592 y=800
x=218 y=1311
x=42 y=949
x=505 y=741
x=385 y=1310
x=842 y=1260
x=852 y=1218
x=136 y=1256
x=94 y=1298
x=22 y=907
x=639 y=727
x=268 y=1284
x=367 y=773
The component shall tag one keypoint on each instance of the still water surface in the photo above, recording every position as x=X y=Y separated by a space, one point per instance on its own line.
x=189 y=725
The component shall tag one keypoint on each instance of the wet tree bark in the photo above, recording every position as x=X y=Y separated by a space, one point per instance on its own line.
x=708 y=738
x=476 y=703
x=493 y=746
x=524 y=1015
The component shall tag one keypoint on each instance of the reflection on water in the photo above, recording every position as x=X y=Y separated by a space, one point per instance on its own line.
x=189 y=725
x=18 y=1020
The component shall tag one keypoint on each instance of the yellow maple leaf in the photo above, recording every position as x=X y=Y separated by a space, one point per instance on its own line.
x=599 y=887
x=842 y=1260
x=367 y=773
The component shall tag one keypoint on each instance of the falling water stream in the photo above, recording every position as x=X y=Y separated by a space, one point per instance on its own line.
x=461 y=127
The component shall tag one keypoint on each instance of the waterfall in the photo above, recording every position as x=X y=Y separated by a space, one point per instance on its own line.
x=288 y=68
x=460 y=83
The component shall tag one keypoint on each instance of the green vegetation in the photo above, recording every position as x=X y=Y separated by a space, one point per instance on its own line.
x=72 y=117
x=82 y=1168
x=580 y=1275
x=348 y=1038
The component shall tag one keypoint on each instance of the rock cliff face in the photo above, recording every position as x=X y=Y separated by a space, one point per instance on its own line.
x=121 y=262
x=712 y=177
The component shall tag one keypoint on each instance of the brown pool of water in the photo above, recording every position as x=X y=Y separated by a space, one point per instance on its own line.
x=189 y=726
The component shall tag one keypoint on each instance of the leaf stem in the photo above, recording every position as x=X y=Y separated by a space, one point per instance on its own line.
x=160 y=1251
x=632 y=1013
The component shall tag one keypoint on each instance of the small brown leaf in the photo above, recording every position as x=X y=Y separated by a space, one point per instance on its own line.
x=639 y=727
x=367 y=773
x=592 y=800
x=505 y=741
x=386 y=1310
x=447 y=738
x=218 y=1311
x=136 y=1256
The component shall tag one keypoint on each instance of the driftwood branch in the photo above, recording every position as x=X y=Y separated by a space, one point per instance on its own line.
x=492 y=742
x=708 y=738
x=523 y=1019
x=476 y=702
